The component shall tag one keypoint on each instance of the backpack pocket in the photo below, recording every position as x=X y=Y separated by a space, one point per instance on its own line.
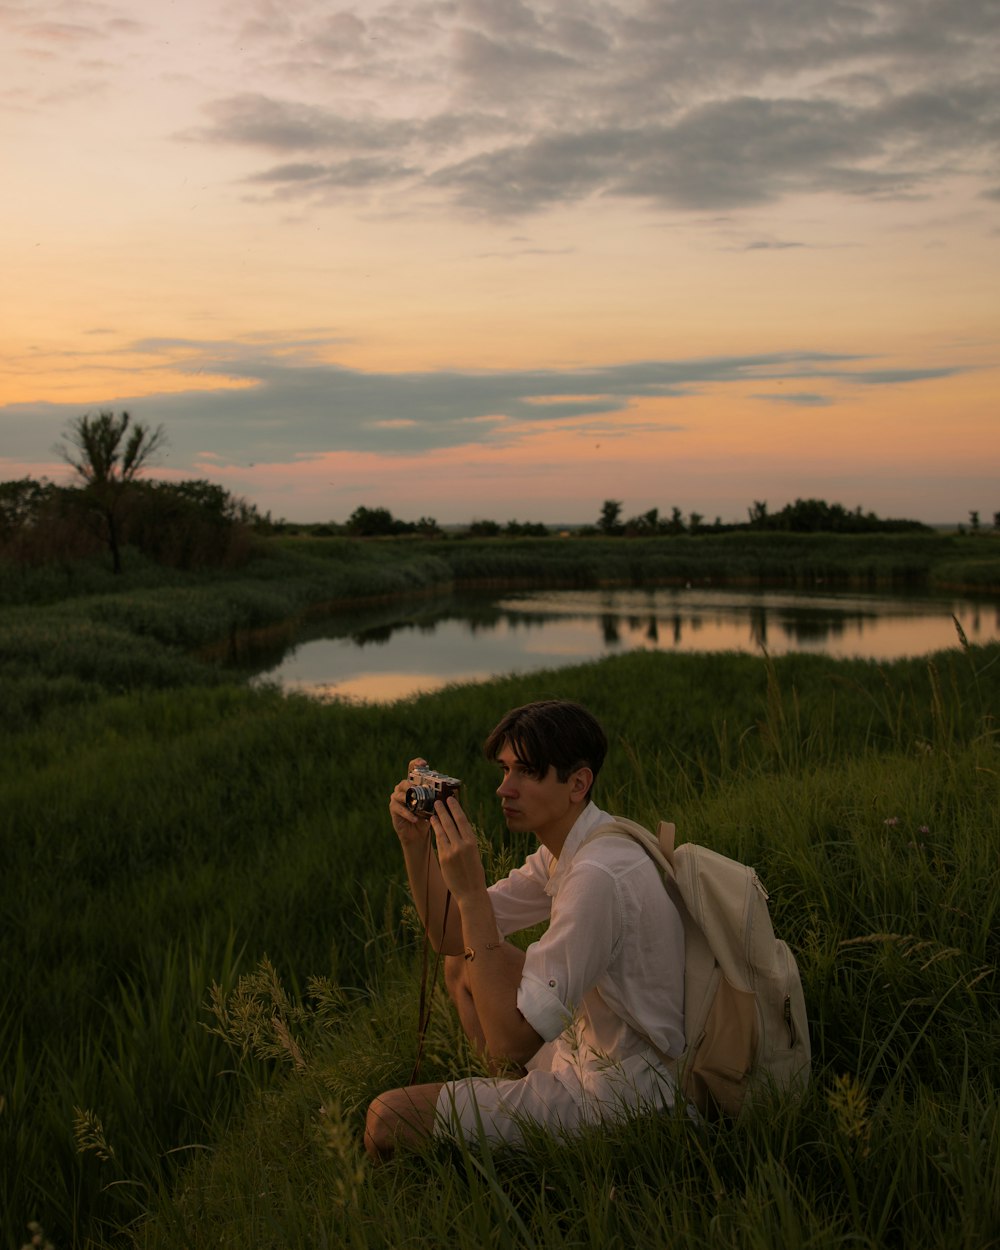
x=717 y=1071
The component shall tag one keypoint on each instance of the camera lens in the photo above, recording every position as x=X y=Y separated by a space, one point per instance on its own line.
x=420 y=799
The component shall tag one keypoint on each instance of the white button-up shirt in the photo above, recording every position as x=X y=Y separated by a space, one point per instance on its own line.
x=607 y=977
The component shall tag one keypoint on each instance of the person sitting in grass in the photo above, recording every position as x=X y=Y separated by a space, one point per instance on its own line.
x=583 y=1026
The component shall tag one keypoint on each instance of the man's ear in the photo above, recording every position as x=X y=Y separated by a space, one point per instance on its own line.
x=580 y=783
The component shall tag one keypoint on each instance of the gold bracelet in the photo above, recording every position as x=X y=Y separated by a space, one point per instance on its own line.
x=470 y=952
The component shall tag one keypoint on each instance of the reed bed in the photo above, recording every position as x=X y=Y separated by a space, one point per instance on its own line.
x=159 y=838
x=329 y=568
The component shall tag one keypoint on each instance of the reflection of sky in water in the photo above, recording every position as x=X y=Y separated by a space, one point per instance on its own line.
x=550 y=628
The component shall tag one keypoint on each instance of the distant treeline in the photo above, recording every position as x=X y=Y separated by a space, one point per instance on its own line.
x=804 y=516
x=199 y=524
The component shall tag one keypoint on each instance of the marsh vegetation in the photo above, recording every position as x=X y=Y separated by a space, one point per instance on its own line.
x=209 y=965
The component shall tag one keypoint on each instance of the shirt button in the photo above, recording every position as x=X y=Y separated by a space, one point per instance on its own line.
x=552 y=985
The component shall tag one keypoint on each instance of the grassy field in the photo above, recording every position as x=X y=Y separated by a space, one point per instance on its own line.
x=163 y=831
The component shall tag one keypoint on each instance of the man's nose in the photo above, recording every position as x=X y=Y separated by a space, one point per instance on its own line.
x=506 y=789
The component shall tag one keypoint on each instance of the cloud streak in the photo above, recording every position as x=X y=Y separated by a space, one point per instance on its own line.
x=291 y=403
x=512 y=107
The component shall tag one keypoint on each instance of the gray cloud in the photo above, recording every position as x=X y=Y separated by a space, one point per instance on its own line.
x=295 y=404
x=769 y=245
x=798 y=399
x=514 y=106
x=286 y=126
x=353 y=173
x=896 y=377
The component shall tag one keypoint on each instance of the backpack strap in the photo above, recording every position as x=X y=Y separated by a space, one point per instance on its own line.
x=659 y=849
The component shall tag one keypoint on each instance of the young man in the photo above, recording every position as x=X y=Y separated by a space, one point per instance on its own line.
x=590 y=1017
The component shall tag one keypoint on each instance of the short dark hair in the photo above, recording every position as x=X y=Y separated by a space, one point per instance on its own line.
x=553 y=733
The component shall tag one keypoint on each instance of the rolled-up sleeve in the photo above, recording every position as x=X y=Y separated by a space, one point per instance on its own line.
x=542 y=1007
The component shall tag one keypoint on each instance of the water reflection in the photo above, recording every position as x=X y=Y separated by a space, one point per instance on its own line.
x=404 y=648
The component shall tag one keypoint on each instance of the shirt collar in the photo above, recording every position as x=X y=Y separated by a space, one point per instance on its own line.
x=585 y=823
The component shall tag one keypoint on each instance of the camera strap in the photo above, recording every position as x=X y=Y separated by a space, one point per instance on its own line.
x=427 y=983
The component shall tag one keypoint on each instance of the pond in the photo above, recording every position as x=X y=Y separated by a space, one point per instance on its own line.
x=410 y=647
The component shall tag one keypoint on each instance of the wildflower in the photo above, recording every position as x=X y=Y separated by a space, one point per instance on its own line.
x=891 y=821
x=848 y=1102
x=339 y=1139
x=38 y=1238
x=924 y=829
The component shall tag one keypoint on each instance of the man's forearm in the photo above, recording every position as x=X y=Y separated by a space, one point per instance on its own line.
x=430 y=897
x=495 y=969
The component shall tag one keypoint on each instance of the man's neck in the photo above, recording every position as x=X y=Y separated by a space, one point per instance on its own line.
x=554 y=839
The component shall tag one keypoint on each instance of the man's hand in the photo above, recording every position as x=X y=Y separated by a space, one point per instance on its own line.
x=410 y=828
x=457 y=850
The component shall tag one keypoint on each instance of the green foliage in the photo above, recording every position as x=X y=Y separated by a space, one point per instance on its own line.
x=484 y=529
x=609 y=522
x=104 y=452
x=526 y=529
x=379 y=522
x=107 y=458
x=894 y=1145
x=21 y=504
x=187 y=525
x=812 y=516
x=163 y=833
x=190 y=524
x=205 y=942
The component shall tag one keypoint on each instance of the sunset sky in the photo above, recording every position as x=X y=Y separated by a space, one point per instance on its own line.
x=510 y=258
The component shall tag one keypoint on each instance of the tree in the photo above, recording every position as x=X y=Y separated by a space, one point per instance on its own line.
x=758 y=514
x=108 y=462
x=484 y=529
x=189 y=524
x=371 y=522
x=974 y=522
x=676 y=523
x=609 y=522
x=642 y=526
x=34 y=525
x=21 y=503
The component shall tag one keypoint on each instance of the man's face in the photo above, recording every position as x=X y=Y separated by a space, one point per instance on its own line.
x=545 y=805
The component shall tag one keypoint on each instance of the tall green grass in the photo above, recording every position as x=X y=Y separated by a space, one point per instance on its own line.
x=159 y=840
x=895 y=1144
x=344 y=568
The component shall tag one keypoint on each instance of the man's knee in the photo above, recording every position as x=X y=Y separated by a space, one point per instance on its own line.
x=400 y=1117
x=380 y=1137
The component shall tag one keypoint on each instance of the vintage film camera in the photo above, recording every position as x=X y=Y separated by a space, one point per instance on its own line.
x=426 y=787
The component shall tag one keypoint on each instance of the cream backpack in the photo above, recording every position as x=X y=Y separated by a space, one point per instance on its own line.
x=745 y=1026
